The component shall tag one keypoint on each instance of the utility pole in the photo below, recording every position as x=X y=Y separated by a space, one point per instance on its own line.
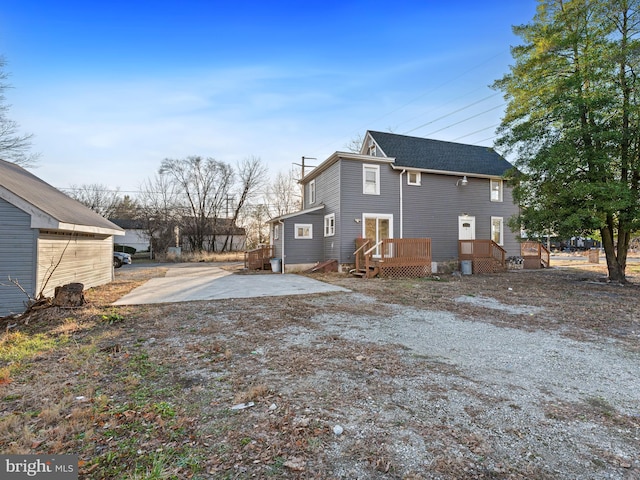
x=303 y=166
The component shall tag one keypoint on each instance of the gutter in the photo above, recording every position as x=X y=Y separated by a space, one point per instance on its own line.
x=283 y=255
x=401 y=205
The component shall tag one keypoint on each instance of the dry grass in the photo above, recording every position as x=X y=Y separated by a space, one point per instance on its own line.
x=145 y=392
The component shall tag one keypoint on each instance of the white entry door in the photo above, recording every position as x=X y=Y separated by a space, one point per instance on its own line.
x=466 y=228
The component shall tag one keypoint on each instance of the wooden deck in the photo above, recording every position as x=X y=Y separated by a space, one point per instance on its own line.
x=259 y=258
x=393 y=257
x=486 y=255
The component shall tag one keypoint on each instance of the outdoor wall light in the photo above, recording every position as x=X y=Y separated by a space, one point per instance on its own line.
x=463 y=181
x=357 y=220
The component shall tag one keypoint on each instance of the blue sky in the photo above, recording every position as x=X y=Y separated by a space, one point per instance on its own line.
x=110 y=89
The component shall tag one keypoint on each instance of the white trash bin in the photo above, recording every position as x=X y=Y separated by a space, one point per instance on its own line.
x=275 y=265
x=466 y=267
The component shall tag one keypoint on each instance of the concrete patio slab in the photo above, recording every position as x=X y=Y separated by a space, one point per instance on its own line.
x=193 y=282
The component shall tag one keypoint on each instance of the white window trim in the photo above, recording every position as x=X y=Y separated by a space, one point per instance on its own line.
x=418 y=181
x=330 y=225
x=276 y=232
x=297 y=226
x=501 y=219
x=500 y=191
x=312 y=192
x=376 y=169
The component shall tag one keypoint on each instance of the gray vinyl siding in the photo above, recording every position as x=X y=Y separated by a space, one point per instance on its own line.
x=432 y=210
x=354 y=203
x=299 y=250
x=83 y=258
x=328 y=194
x=17 y=257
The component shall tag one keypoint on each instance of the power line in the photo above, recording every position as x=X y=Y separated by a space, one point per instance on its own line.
x=445 y=83
x=465 y=120
x=452 y=113
x=473 y=133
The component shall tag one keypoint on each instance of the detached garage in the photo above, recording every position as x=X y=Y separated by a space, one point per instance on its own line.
x=47 y=239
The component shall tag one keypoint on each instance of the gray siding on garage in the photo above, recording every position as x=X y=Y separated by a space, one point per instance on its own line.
x=86 y=259
x=432 y=209
x=17 y=258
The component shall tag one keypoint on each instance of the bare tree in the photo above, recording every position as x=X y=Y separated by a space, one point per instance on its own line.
x=99 y=198
x=355 y=144
x=14 y=146
x=159 y=211
x=204 y=184
x=251 y=174
x=283 y=195
x=254 y=218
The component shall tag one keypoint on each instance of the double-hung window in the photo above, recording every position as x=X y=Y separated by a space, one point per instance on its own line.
x=496 y=190
x=371 y=179
x=312 y=192
x=330 y=225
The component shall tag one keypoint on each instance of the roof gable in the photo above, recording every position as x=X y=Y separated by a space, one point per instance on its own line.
x=438 y=155
x=49 y=207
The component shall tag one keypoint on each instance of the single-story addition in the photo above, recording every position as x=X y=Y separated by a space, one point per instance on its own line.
x=399 y=187
x=47 y=239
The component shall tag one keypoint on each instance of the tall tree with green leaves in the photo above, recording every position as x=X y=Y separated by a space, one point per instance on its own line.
x=573 y=122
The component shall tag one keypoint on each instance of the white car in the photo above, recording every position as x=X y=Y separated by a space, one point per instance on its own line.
x=121 y=258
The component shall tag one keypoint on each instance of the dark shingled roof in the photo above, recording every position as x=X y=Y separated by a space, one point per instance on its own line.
x=426 y=154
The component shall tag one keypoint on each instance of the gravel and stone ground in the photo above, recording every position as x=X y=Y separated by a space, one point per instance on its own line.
x=527 y=374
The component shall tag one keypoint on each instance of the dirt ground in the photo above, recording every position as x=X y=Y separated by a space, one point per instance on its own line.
x=335 y=386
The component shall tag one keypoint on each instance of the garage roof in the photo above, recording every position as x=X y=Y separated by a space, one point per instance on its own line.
x=49 y=208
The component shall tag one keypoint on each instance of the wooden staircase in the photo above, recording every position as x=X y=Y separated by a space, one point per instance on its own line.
x=486 y=255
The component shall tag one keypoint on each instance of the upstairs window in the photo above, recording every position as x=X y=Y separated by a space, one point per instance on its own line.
x=312 y=192
x=496 y=191
x=371 y=179
x=414 y=178
x=330 y=225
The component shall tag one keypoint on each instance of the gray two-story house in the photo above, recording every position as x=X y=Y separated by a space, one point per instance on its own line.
x=398 y=187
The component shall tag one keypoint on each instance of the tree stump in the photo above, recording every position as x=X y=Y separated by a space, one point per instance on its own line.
x=69 y=295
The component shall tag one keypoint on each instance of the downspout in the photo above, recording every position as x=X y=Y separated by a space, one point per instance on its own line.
x=282 y=260
x=401 y=205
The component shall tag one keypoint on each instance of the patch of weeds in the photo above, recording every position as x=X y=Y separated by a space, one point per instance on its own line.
x=18 y=346
x=245 y=441
x=164 y=409
x=113 y=317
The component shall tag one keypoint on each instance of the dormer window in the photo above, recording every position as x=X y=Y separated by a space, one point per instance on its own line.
x=372 y=149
